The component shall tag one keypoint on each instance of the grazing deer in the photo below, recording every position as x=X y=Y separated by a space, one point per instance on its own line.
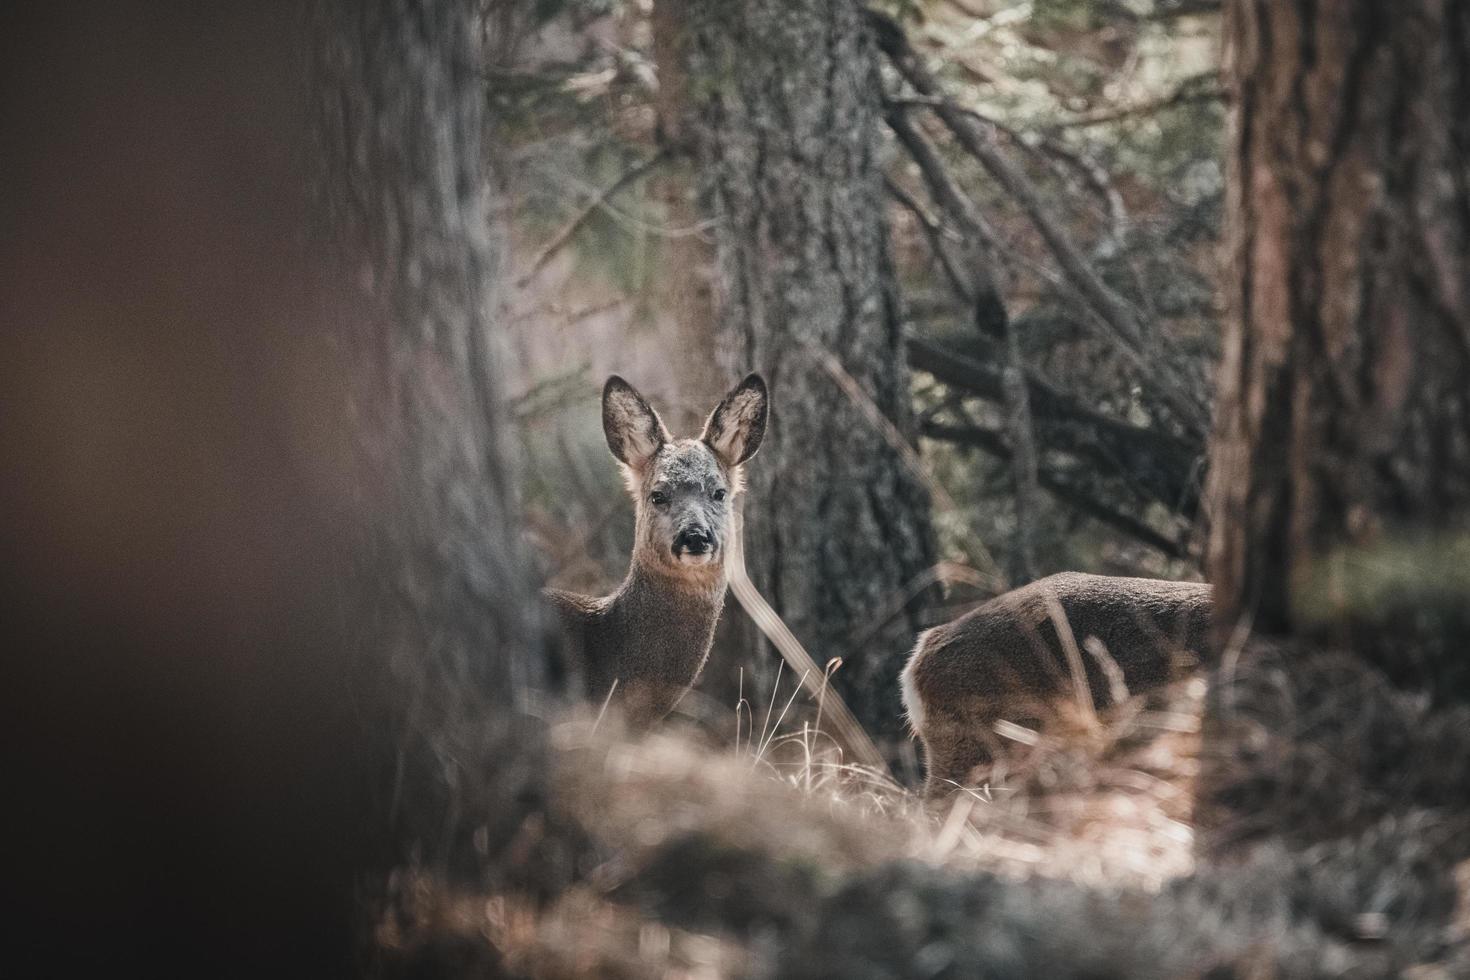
x=647 y=642
x=1006 y=659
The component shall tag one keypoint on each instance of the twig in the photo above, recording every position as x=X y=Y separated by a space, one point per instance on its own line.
x=992 y=443
x=766 y=743
x=1108 y=664
x=605 y=702
x=771 y=704
x=847 y=731
x=560 y=239
x=1188 y=91
x=1068 y=639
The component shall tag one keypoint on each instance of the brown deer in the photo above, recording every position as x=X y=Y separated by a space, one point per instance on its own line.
x=1006 y=660
x=645 y=644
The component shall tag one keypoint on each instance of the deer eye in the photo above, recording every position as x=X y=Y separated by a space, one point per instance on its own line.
x=719 y=494
x=659 y=498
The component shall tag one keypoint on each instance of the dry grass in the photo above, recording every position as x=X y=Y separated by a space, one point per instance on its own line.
x=581 y=935
x=1102 y=805
x=1101 y=801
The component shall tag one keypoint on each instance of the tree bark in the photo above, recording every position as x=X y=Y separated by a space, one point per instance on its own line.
x=686 y=261
x=448 y=610
x=1342 y=438
x=786 y=101
x=254 y=404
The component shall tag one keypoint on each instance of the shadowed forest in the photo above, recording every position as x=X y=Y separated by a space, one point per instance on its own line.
x=702 y=489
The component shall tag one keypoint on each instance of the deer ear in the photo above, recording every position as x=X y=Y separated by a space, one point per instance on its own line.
x=737 y=425
x=633 y=429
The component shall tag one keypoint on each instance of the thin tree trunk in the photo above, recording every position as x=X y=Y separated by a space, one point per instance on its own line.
x=1342 y=441
x=686 y=259
x=787 y=101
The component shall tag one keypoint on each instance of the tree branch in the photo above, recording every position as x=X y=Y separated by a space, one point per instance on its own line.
x=993 y=444
x=1160 y=466
x=933 y=231
x=1048 y=149
x=978 y=288
x=980 y=291
x=1189 y=90
x=1123 y=327
x=562 y=237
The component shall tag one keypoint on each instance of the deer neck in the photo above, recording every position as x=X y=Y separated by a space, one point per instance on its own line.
x=668 y=614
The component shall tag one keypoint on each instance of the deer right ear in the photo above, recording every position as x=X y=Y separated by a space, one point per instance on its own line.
x=633 y=429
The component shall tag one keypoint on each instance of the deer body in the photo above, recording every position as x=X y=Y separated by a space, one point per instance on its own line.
x=645 y=644
x=1005 y=660
x=650 y=638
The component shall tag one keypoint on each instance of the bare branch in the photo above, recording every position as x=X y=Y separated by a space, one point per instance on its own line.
x=1203 y=87
x=976 y=282
x=1160 y=466
x=562 y=237
x=933 y=231
x=1049 y=150
x=993 y=444
x=1123 y=327
x=982 y=294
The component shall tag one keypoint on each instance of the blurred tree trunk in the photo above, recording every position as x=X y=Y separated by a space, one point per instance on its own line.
x=1343 y=428
x=686 y=259
x=253 y=400
x=786 y=113
x=446 y=596
x=1339 y=486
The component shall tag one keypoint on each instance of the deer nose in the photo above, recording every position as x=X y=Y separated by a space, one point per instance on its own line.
x=695 y=540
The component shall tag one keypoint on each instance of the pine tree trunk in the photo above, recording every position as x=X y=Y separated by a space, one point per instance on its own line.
x=786 y=101
x=686 y=260
x=1341 y=458
x=447 y=603
x=1339 y=486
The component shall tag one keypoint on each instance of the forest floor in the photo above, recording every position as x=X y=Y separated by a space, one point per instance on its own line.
x=1101 y=800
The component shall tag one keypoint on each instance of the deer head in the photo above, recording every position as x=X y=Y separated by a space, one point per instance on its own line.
x=683 y=489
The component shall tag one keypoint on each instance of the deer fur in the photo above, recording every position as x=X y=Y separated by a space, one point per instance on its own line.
x=645 y=644
x=1006 y=660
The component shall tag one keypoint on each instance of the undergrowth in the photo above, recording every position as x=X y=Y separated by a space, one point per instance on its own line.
x=1100 y=800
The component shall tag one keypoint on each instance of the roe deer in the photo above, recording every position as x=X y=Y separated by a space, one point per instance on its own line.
x=647 y=642
x=1006 y=661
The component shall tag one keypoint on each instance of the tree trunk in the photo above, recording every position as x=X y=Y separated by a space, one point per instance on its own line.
x=1339 y=486
x=1342 y=441
x=686 y=259
x=255 y=459
x=446 y=595
x=786 y=101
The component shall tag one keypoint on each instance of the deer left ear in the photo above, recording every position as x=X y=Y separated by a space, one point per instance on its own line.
x=737 y=425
